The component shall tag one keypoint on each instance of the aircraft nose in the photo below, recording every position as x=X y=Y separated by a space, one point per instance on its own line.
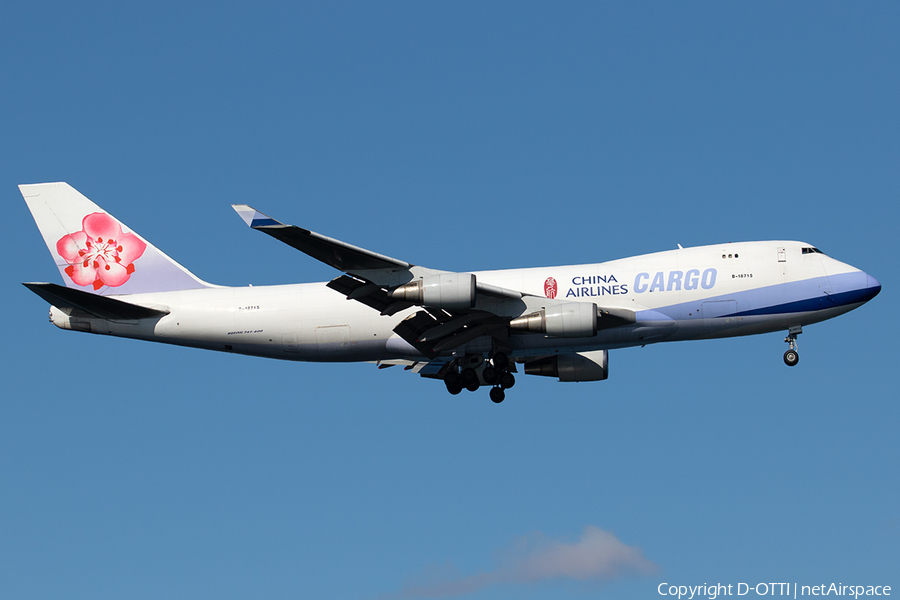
x=872 y=287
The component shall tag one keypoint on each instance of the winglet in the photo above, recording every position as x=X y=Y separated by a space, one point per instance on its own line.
x=252 y=217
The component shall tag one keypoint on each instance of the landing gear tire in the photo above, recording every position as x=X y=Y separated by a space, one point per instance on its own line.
x=468 y=376
x=791 y=358
x=469 y=379
x=490 y=375
x=497 y=395
x=507 y=380
x=451 y=380
x=500 y=361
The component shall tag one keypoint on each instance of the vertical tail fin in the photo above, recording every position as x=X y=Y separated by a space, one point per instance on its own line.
x=97 y=253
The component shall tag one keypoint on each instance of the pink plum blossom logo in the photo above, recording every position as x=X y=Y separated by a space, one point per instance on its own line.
x=100 y=254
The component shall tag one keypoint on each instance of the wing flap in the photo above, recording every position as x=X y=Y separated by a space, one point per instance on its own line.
x=368 y=293
x=412 y=327
x=432 y=369
x=432 y=334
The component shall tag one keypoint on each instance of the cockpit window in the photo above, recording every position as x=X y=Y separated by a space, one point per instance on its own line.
x=810 y=250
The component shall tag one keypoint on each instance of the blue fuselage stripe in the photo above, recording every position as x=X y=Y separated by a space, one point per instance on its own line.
x=811 y=304
x=818 y=293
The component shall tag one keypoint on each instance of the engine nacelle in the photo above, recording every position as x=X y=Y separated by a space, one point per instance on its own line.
x=445 y=290
x=571 y=319
x=580 y=366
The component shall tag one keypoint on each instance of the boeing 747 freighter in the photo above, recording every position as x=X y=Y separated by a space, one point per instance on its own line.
x=467 y=329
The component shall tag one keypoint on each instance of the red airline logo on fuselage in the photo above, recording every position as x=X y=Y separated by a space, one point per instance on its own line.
x=550 y=287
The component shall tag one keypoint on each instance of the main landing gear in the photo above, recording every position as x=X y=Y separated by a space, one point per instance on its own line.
x=472 y=372
x=792 y=357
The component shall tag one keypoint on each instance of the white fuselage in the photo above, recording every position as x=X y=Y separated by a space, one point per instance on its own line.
x=693 y=293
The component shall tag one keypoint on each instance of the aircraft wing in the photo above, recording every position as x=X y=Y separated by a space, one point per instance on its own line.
x=389 y=286
x=370 y=273
x=338 y=254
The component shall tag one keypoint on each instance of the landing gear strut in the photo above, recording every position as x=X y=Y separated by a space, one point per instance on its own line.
x=500 y=361
x=792 y=357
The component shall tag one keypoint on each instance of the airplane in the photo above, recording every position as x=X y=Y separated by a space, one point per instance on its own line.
x=469 y=329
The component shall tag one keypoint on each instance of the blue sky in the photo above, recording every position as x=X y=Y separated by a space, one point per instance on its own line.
x=462 y=136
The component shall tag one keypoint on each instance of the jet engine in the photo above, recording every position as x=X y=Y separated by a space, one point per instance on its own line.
x=571 y=319
x=579 y=366
x=445 y=290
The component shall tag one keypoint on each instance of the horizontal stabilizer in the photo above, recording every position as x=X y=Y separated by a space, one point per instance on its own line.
x=335 y=253
x=101 y=307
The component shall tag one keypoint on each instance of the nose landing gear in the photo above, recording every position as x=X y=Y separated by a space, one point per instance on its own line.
x=792 y=357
